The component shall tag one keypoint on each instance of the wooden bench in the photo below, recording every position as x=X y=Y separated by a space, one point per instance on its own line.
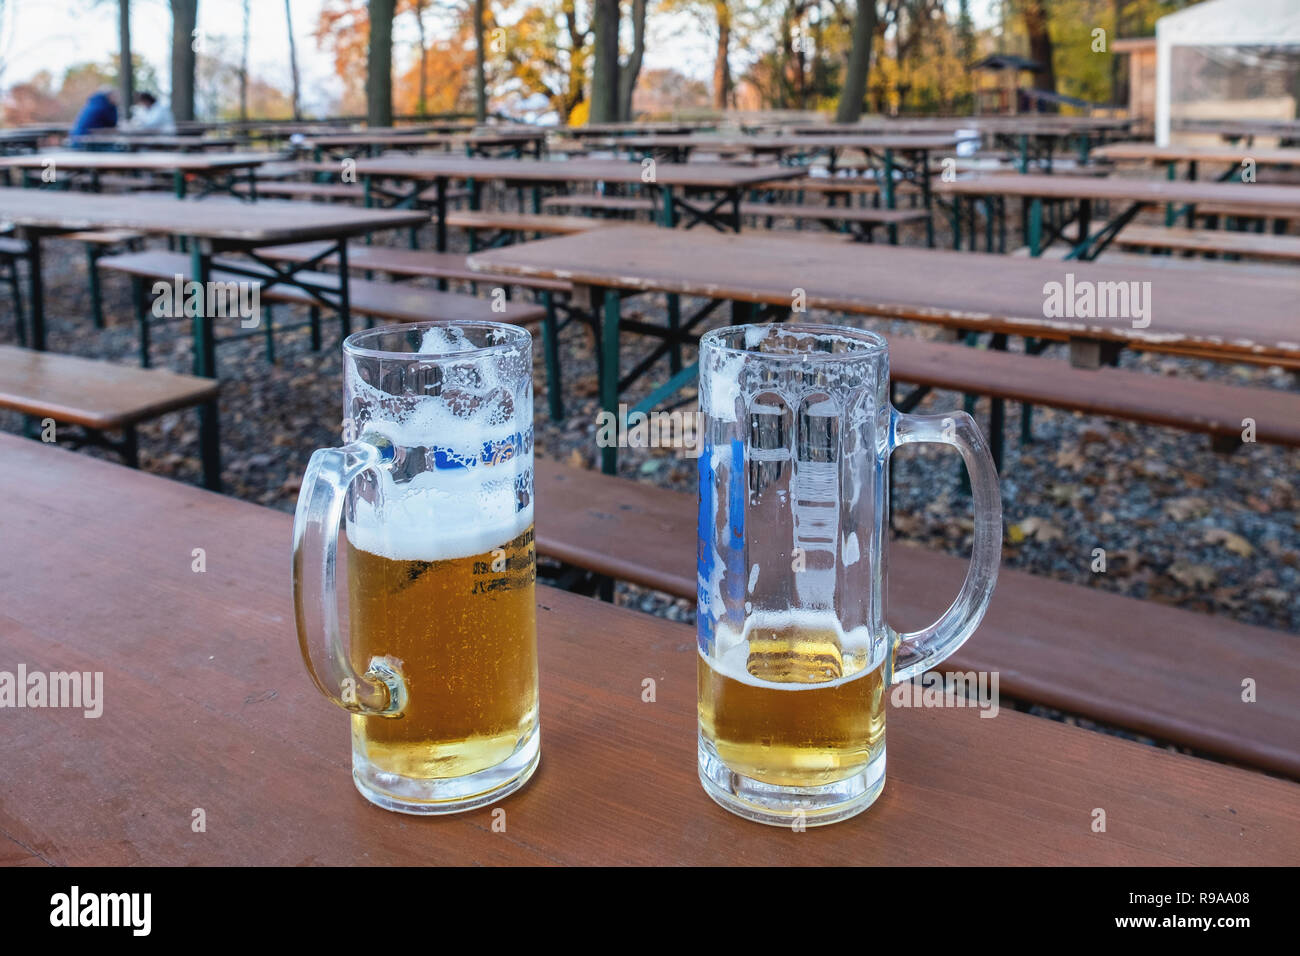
x=409 y=262
x=1252 y=245
x=386 y=301
x=100 y=397
x=519 y=222
x=862 y=220
x=1171 y=674
x=614 y=204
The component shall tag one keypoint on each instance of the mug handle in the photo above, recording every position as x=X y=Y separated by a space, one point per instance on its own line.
x=920 y=650
x=381 y=690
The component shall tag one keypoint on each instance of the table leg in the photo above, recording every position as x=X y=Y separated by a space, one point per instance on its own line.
x=345 y=295
x=205 y=365
x=36 y=291
x=440 y=213
x=1171 y=173
x=1034 y=237
x=668 y=219
x=889 y=193
x=925 y=193
x=610 y=309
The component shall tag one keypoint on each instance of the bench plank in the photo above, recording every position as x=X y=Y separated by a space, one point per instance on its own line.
x=863 y=214
x=1258 y=245
x=1170 y=673
x=93 y=394
x=383 y=300
x=521 y=222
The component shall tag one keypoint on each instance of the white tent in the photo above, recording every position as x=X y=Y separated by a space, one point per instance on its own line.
x=1222 y=47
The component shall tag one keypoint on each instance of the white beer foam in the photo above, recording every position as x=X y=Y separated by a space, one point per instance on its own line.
x=732 y=647
x=441 y=515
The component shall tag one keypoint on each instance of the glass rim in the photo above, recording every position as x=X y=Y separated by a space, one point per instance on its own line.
x=515 y=337
x=872 y=343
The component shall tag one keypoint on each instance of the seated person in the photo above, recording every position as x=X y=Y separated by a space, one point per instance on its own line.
x=100 y=112
x=151 y=114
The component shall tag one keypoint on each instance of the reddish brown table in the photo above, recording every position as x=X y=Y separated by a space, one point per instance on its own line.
x=207 y=706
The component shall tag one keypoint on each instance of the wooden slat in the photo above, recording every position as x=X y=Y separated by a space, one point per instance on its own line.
x=1204 y=154
x=704 y=175
x=1256 y=245
x=385 y=300
x=1207 y=407
x=207 y=706
x=1248 y=195
x=1170 y=673
x=145 y=161
x=1212 y=313
x=93 y=394
x=229 y=221
x=407 y=262
x=521 y=221
x=866 y=214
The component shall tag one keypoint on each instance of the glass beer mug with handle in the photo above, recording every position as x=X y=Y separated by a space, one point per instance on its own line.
x=435 y=489
x=795 y=657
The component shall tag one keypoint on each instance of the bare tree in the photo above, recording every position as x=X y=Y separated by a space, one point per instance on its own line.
x=185 y=18
x=722 y=56
x=423 y=100
x=125 y=75
x=480 y=64
x=1034 y=14
x=293 y=63
x=855 y=79
x=627 y=76
x=604 y=65
x=243 y=67
x=379 y=64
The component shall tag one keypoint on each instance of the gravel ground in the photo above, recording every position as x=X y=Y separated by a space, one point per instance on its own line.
x=1180 y=524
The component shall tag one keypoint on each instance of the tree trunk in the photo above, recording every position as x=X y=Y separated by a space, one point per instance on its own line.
x=722 y=59
x=1034 y=13
x=422 y=101
x=125 y=77
x=243 y=68
x=855 y=78
x=632 y=69
x=293 y=63
x=185 y=17
x=604 y=63
x=480 y=64
x=379 y=64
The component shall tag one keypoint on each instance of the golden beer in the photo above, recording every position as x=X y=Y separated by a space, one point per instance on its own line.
x=792 y=702
x=462 y=629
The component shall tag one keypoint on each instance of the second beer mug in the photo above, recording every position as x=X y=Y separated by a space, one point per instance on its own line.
x=795 y=657
x=435 y=487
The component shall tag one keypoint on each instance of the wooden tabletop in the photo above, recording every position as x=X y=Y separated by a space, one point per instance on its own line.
x=414 y=140
x=159 y=141
x=207 y=705
x=1240 y=127
x=1207 y=154
x=152 y=161
x=708 y=175
x=261 y=223
x=1042 y=186
x=868 y=141
x=1211 y=312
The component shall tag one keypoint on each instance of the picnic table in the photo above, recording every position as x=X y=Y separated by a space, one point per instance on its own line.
x=206 y=704
x=1287 y=130
x=179 y=142
x=672 y=180
x=1209 y=314
x=340 y=146
x=219 y=172
x=1083 y=191
x=1235 y=157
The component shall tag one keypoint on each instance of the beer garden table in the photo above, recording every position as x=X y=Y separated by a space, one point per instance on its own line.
x=339 y=146
x=1267 y=198
x=1193 y=156
x=1209 y=314
x=206 y=705
x=671 y=179
x=208 y=228
x=220 y=172
x=181 y=143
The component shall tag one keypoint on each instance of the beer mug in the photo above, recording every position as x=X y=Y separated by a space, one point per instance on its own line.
x=795 y=657
x=435 y=489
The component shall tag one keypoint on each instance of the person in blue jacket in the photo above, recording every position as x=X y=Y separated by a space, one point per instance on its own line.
x=100 y=112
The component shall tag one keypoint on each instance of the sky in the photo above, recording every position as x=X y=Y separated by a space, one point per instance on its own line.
x=55 y=34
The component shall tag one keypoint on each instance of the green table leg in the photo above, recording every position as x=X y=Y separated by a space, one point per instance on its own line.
x=1035 y=234
x=668 y=219
x=609 y=367
x=205 y=365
